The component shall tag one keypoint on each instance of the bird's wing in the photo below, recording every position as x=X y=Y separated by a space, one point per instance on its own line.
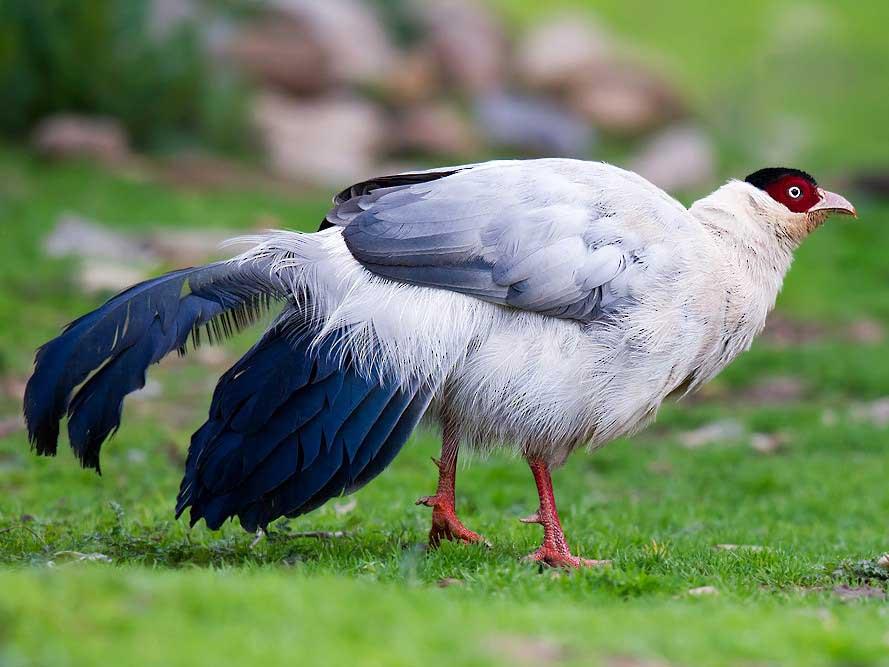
x=560 y=237
x=356 y=199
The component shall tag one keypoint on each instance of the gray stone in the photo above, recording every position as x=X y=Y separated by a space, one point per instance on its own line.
x=559 y=52
x=436 y=129
x=678 y=158
x=76 y=136
x=467 y=42
x=533 y=125
x=283 y=52
x=625 y=98
x=76 y=236
x=350 y=34
x=324 y=142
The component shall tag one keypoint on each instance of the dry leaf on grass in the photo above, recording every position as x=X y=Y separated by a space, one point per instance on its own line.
x=446 y=582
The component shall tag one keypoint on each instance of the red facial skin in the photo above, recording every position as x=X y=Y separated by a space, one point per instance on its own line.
x=785 y=187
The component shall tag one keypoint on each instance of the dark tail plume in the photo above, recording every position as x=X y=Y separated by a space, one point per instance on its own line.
x=106 y=353
x=292 y=425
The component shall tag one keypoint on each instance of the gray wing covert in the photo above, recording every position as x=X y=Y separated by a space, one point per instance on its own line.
x=511 y=234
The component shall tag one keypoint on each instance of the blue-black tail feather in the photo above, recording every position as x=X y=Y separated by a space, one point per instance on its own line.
x=106 y=352
x=291 y=425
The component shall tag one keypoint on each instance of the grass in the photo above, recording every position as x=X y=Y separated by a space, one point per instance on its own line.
x=96 y=569
x=803 y=515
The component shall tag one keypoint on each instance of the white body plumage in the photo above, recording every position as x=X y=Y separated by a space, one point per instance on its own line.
x=680 y=293
x=536 y=305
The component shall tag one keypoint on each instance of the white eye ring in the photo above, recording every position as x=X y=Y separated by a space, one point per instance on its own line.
x=795 y=192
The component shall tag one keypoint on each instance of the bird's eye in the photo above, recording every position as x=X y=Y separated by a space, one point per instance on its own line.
x=795 y=192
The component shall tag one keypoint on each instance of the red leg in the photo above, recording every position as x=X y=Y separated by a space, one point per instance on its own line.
x=554 y=551
x=445 y=524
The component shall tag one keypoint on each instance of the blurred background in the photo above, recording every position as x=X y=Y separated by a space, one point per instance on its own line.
x=128 y=126
x=323 y=93
x=137 y=135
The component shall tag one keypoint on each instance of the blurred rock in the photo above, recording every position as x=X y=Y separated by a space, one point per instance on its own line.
x=768 y=443
x=533 y=125
x=575 y=57
x=436 y=129
x=110 y=261
x=847 y=593
x=527 y=650
x=283 y=52
x=876 y=412
x=679 y=158
x=113 y=260
x=136 y=456
x=65 y=136
x=74 y=236
x=13 y=386
x=774 y=390
x=102 y=275
x=624 y=98
x=187 y=247
x=150 y=391
x=204 y=171
x=782 y=331
x=10 y=425
x=414 y=79
x=866 y=331
x=164 y=16
x=467 y=42
x=725 y=429
x=324 y=142
x=555 y=53
x=212 y=356
x=873 y=182
x=350 y=35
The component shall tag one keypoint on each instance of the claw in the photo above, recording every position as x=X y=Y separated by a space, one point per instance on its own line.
x=557 y=558
x=446 y=525
x=532 y=518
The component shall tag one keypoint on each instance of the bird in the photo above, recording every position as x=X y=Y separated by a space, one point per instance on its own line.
x=534 y=306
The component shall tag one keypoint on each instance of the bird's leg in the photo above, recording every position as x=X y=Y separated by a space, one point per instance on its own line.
x=445 y=524
x=554 y=551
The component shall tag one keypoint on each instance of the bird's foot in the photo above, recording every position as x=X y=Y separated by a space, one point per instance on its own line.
x=563 y=558
x=554 y=550
x=446 y=525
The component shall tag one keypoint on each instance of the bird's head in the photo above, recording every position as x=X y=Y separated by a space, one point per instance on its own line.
x=790 y=201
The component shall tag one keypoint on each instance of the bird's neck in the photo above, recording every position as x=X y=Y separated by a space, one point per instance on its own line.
x=749 y=266
x=751 y=250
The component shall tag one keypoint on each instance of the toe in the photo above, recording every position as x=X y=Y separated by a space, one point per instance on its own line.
x=554 y=558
